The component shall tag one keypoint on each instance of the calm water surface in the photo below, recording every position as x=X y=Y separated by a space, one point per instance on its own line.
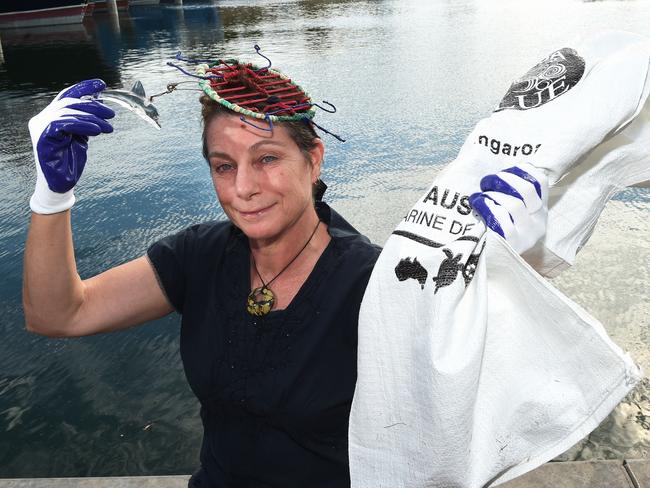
x=410 y=79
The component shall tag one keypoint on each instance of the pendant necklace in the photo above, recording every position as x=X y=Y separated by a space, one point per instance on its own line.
x=260 y=301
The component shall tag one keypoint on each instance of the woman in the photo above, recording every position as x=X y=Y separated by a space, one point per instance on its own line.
x=275 y=387
x=275 y=390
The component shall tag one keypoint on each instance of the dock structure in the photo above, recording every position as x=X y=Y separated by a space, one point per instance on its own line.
x=586 y=474
x=579 y=474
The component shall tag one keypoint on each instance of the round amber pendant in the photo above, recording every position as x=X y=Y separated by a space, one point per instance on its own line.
x=260 y=301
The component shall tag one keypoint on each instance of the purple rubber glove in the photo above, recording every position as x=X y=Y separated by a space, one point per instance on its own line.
x=514 y=204
x=60 y=141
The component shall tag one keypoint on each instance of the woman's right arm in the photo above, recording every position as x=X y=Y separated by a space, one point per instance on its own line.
x=56 y=300
x=58 y=303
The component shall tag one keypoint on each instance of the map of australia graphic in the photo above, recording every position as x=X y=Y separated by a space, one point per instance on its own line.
x=411 y=269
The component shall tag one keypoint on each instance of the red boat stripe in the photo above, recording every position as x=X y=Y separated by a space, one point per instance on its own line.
x=45 y=13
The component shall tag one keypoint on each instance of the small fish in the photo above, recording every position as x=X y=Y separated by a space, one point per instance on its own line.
x=134 y=100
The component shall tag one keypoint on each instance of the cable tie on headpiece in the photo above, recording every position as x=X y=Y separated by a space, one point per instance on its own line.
x=300 y=106
x=257 y=49
x=169 y=63
x=267 y=118
x=179 y=57
x=333 y=111
x=339 y=138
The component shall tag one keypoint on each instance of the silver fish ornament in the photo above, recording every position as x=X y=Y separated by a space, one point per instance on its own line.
x=134 y=100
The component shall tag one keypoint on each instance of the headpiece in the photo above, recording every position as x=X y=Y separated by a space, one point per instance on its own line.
x=256 y=92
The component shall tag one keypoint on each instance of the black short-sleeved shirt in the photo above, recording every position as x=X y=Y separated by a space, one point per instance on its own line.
x=276 y=391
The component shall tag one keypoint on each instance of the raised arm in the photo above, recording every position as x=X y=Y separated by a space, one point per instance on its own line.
x=56 y=301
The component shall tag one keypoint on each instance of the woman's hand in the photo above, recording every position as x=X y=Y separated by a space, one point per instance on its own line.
x=60 y=139
x=514 y=204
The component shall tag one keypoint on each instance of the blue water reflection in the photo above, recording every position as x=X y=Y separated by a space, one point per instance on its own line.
x=410 y=79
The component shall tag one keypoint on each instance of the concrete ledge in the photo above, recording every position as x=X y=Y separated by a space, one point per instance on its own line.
x=581 y=474
x=112 y=482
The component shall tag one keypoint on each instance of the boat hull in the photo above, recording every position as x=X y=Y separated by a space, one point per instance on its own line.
x=143 y=2
x=33 y=13
x=102 y=5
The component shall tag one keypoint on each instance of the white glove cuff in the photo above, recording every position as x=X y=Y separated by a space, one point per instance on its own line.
x=45 y=201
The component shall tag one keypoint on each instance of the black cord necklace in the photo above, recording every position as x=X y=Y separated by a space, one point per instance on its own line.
x=260 y=301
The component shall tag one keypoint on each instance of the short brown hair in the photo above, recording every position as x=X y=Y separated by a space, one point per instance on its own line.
x=301 y=131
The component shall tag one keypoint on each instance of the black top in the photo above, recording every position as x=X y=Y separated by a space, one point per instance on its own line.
x=276 y=391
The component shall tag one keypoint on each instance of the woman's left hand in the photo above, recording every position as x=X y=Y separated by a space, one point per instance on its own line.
x=514 y=204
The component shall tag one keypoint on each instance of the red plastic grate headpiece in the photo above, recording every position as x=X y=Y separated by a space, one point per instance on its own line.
x=263 y=91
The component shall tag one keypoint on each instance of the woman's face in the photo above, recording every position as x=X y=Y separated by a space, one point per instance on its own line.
x=262 y=179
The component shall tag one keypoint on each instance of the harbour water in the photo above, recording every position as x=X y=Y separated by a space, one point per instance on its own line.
x=410 y=78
